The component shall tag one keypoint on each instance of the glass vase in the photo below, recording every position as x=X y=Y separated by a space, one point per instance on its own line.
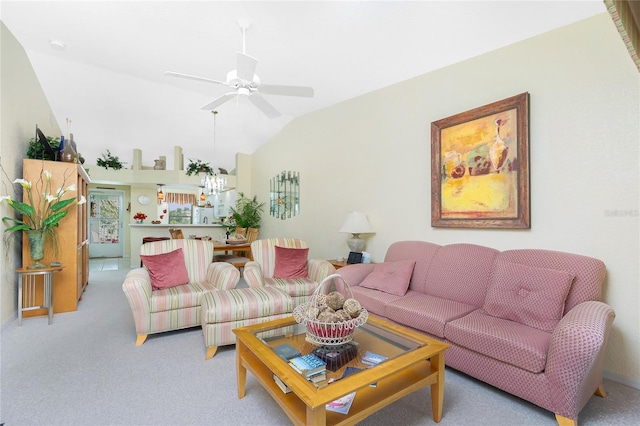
x=36 y=239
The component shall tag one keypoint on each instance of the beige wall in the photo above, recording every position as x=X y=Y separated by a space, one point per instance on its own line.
x=23 y=105
x=372 y=153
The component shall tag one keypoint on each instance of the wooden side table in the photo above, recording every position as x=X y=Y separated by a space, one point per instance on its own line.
x=337 y=263
x=28 y=279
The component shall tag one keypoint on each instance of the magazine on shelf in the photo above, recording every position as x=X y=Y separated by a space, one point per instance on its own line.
x=372 y=358
x=308 y=365
x=342 y=405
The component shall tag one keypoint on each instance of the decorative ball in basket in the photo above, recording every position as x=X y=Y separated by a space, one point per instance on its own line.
x=331 y=318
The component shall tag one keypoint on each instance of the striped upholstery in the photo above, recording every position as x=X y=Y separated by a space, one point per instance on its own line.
x=176 y=307
x=222 y=311
x=259 y=272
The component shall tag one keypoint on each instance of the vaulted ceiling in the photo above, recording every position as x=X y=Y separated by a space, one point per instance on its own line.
x=101 y=64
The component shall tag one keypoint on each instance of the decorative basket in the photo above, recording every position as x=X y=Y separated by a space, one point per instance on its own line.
x=328 y=333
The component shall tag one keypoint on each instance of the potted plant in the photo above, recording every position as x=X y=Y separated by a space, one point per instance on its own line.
x=247 y=213
x=41 y=216
x=36 y=150
x=109 y=160
x=197 y=166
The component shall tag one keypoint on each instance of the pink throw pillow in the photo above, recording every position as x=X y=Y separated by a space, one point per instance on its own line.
x=528 y=295
x=291 y=263
x=390 y=277
x=166 y=269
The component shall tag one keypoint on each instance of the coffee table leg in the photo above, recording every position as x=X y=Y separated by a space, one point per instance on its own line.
x=241 y=372
x=317 y=416
x=437 y=389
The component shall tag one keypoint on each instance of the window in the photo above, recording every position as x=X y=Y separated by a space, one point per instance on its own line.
x=179 y=213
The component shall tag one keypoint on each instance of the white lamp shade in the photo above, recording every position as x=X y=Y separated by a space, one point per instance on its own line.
x=356 y=223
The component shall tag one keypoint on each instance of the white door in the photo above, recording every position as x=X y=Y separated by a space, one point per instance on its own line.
x=106 y=216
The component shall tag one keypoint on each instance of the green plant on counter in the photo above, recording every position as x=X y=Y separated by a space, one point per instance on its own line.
x=109 y=161
x=197 y=166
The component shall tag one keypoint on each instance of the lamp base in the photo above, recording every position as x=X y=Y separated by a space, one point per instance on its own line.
x=356 y=243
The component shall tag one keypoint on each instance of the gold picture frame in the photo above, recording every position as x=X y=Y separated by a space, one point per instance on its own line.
x=480 y=167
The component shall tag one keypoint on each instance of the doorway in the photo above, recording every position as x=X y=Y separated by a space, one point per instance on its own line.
x=106 y=217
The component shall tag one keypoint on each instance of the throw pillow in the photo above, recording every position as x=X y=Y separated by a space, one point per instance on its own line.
x=166 y=269
x=390 y=277
x=528 y=295
x=291 y=263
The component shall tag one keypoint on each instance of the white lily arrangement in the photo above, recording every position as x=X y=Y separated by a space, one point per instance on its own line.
x=49 y=210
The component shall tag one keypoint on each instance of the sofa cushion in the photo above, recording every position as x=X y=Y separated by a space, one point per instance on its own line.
x=461 y=272
x=179 y=297
x=374 y=300
x=528 y=295
x=420 y=251
x=390 y=277
x=507 y=341
x=293 y=286
x=426 y=313
x=290 y=262
x=166 y=269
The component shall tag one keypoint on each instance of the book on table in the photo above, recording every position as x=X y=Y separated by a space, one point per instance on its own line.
x=282 y=385
x=308 y=365
x=286 y=351
x=372 y=358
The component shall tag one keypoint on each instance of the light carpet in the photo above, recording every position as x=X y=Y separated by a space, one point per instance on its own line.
x=85 y=370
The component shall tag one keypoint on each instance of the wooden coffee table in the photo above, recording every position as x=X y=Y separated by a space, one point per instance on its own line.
x=414 y=362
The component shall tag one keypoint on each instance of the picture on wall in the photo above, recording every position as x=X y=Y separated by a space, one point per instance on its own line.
x=480 y=167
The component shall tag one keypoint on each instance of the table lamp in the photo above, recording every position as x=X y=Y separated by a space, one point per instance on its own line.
x=356 y=223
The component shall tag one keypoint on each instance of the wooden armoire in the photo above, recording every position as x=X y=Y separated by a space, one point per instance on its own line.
x=72 y=234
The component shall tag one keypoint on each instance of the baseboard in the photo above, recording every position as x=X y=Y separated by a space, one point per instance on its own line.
x=628 y=381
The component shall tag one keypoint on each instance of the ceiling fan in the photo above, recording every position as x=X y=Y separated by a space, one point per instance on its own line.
x=244 y=81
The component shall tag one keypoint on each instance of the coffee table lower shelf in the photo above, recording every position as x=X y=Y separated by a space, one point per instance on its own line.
x=306 y=405
x=368 y=399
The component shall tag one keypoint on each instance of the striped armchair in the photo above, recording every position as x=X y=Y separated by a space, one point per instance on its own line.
x=259 y=272
x=176 y=307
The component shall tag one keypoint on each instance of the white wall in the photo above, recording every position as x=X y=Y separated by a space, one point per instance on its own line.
x=23 y=106
x=372 y=153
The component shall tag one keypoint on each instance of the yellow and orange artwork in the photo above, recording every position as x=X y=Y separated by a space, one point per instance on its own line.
x=479 y=168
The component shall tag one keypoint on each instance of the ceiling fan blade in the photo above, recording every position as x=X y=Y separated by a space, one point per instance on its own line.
x=276 y=89
x=245 y=66
x=219 y=101
x=192 y=77
x=264 y=106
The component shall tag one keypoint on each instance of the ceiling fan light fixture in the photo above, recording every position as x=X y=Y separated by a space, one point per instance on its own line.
x=244 y=91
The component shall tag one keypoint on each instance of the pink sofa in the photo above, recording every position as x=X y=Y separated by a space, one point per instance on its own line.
x=526 y=321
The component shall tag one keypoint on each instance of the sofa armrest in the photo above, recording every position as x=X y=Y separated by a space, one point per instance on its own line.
x=223 y=275
x=137 y=288
x=253 y=274
x=319 y=269
x=575 y=360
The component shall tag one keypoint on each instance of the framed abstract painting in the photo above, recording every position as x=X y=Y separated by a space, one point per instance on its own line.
x=480 y=167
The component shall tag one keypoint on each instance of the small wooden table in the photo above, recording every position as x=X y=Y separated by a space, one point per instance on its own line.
x=338 y=263
x=341 y=263
x=414 y=362
x=28 y=278
x=223 y=246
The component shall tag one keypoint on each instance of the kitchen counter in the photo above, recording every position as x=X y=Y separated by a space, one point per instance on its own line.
x=138 y=231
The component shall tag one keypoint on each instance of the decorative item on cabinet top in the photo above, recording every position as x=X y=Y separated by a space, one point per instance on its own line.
x=285 y=195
